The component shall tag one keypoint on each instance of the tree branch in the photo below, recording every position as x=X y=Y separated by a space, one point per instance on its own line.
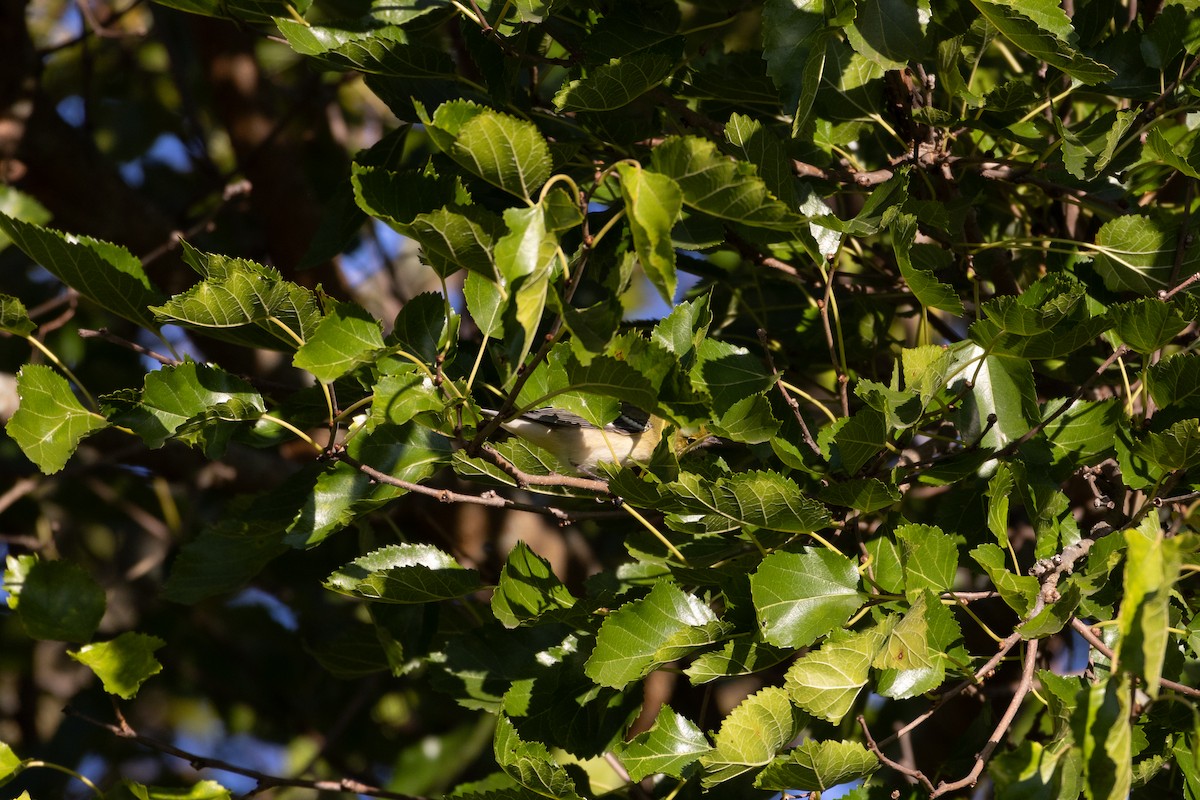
x=1010 y=713
x=489 y=498
x=1085 y=630
x=123 y=730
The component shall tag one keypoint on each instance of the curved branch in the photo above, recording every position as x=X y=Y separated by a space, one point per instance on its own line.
x=123 y=730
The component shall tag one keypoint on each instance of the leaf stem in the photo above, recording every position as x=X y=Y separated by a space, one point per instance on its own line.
x=283 y=423
x=66 y=771
x=657 y=533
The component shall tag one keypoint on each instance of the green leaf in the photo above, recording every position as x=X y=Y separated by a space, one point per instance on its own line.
x=104 y=273
x=204 y=790
x=902 y=408
x=1026 y=27
x=1086 y=431
x=1151 y=570
x=1174 y=30
x=1018 y=591
x=10 y=765
x=825 y=682
x=862 y=494
x=652 y=203
x=615 y=84
x=573 y=386
x=398 y=198
x=402 y=394
x=642 y=635
x=1088 y=151
x=728 y=373
x=858 y=440
x=507 y=152
x=738 y=656
x=916 y=650
x=404 y=573
x=1175 y=381
x=49 y=422
x=999 y=488
x=817 y=766
x=1176 y=448
x=1157 y=146
x=682 y=331
x=528 y=589
x=800 y=597
x=749 y=421
x=1148 y=324
x=14 y=318
x=1102 y=730
x=1138 y=254
x=386 y=51
x=424 y=326
x=487 y=301
x=794 y=39
x=907 y=645
x=530 y=764
x=243 y=303
x=176 y=395
x=341 y=493
x=671 y=745
x=224 y=557
x=58 y=600
x=930 y=559
x=890 y=33
x=756 y=144
x=1001 y=386
x=719 y=185
x=455 y=238
x=924 y=285
x=16 y=204
x=880 y=209
x=761 y=499
x=528 y=248
x=123 y=664
x=751 y=735
x=346 y=337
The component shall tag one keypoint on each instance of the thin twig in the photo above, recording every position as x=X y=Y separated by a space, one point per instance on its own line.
x=490 y=499
x=105 y=334
x=1191 y=279
x=1010 y=713
x=528 y=479
x=265 y=781
x=979 y=677
x=229 y=192
x=19 y=489
x=912 y=772
x=1085 y=630
x=787 y=397
x=1015 y=444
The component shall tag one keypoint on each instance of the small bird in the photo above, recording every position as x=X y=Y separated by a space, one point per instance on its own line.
x=629 y=439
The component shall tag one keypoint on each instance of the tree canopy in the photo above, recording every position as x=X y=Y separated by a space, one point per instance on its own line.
x=910 y=283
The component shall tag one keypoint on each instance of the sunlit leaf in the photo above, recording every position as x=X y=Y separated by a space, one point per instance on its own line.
x=49 y=422
x=123 y=664
x=644 y=634
x=615 y=84
x=818 y=766
x=671 y=745
x=105 y=273
x=800 y=597
x=404 y=573
x=751 y=735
